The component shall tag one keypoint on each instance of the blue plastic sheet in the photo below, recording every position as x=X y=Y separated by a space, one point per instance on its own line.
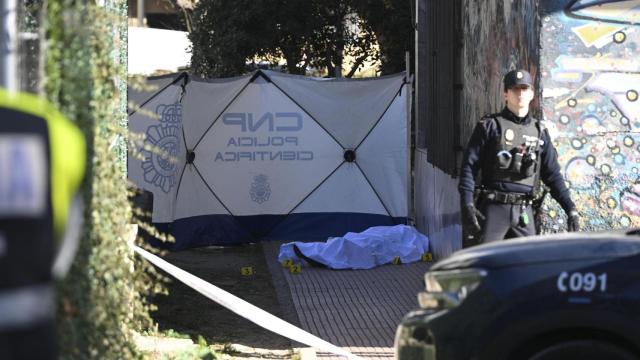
x=373 y=247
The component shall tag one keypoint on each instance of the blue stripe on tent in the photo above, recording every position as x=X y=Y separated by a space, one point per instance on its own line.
x=203 y=230
x=210 y=230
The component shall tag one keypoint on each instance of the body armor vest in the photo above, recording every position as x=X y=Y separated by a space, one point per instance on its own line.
x=26 y=221
x=514 y=156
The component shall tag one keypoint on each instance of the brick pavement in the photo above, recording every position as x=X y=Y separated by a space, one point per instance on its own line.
x=355 y=309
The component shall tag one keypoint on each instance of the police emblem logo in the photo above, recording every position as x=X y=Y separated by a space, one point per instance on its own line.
x=162 y=146
x=519 y=75
x=260 y=190
x=509 y=135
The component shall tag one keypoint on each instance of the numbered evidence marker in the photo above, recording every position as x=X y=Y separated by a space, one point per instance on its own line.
x=581 y=282
x=396 y=260
x=427 y=257
x=247 y=270
x=292 y=266
x=295 y=268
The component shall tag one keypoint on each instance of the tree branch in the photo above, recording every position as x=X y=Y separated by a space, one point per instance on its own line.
x=356 y=65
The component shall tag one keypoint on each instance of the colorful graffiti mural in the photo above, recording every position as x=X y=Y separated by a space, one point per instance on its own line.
x=590 y=76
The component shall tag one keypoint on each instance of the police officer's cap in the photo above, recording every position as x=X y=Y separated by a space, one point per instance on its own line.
x=517 y=77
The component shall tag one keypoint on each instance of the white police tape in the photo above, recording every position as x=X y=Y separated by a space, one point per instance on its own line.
x=243 y=308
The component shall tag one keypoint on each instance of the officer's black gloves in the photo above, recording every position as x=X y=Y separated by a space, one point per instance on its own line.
x=573 y=223
x=471 y=219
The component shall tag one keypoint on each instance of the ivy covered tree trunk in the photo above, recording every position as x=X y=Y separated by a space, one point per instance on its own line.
x=101 y=301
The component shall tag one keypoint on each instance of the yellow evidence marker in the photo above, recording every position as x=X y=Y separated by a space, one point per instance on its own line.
x=295 y=269
x=246 y=270
x=427 y=257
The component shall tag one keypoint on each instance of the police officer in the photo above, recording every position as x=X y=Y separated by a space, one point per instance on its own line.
x=512 y=151
x=42 y=159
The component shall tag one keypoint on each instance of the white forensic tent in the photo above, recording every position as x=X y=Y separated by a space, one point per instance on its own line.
x=141 y=92
x=273 y=156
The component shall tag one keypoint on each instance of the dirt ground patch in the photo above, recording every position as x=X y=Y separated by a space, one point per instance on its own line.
x=186 y=311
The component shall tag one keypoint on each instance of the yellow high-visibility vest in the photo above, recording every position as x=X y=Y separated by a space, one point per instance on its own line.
x=67 y=151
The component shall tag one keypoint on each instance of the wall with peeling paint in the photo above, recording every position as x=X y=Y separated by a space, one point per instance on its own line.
x=493 y=37
x=590 y=75
x=498 y=36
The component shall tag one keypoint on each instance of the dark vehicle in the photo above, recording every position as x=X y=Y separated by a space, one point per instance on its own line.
x=563 y=296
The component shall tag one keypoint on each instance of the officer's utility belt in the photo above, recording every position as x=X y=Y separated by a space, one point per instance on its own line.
x=506 y=197
x=26 y=306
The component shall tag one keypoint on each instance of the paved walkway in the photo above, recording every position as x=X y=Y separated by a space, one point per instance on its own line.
x=355 y=309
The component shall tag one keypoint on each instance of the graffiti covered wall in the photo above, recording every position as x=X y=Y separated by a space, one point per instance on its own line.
x=498 y=36
x=590 y=76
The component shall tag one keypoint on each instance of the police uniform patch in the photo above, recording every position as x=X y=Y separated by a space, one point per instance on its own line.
x=509 y=135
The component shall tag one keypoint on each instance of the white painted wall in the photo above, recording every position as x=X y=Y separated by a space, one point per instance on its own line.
x=152 y=50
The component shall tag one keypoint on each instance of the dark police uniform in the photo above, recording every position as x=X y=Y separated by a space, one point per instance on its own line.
x=42 y=159
x=512 y=154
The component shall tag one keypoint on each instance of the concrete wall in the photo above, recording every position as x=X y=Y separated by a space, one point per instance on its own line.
x=590 y=67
